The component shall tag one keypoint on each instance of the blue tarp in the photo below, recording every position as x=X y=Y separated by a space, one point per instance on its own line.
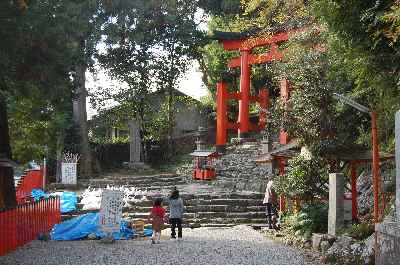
x=81 y=226
x=38 y=194
x=68 y=201
x=148 y=232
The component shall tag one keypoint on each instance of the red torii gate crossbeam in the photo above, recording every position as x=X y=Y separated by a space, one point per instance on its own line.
x=246 y=59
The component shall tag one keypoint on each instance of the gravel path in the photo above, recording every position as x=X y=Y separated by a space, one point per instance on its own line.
x=219 y=246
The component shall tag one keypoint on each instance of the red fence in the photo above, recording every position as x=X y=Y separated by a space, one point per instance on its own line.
x=25 y=223
x=33 y=179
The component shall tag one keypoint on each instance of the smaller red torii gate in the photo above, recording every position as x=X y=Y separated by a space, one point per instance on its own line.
x=245 y=45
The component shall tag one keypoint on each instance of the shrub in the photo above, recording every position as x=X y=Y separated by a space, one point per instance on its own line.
x=305 y=179
x=313 y=218
x=360 y=231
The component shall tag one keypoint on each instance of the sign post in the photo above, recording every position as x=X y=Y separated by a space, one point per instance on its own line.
x=111 y=211
x=68 y=173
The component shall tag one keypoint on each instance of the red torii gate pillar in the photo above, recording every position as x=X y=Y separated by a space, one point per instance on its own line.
x=222 y=113
x=222 y=116
x=246 y=59
x=285 y=95
x=282 y=199
x=244 y=101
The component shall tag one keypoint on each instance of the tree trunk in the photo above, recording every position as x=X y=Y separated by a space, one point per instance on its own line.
x=80 y=118
x=7 y=188
x=171 y=121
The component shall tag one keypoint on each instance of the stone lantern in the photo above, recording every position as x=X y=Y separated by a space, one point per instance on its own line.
x=200 y=139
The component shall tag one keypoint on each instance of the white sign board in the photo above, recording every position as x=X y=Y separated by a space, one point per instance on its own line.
x=111 y=210
x=68 y=173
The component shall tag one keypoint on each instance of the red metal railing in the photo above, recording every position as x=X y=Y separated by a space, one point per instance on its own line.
x=32 y=180
x=26 y=222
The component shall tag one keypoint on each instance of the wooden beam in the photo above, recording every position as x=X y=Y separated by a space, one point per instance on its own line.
x=257 y=58
x=235 y=95
x=248 y=44
x=234 y=126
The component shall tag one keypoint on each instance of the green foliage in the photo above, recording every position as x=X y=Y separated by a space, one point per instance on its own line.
x=150 y=45
x=363 y=41
x=304 y=179
x=37 y=53
x=313 y=218
x=223 y=7
x=359 y=231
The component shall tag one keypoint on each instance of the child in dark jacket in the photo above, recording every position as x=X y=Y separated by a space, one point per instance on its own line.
x=157 y=215
x=176 y=210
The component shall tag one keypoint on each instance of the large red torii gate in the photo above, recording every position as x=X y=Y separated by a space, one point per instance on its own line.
x=245 y=45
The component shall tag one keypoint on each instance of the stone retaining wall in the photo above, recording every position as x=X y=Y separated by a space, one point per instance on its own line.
x=388 y=235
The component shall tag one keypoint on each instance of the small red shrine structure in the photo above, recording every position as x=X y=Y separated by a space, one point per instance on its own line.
x=204 y=165
x=245 y=45
x=203 y=160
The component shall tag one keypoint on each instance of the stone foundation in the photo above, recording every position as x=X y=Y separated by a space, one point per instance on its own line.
x=388 y=235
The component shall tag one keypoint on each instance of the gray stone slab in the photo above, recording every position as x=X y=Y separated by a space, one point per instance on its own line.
x=397 y=132
x=388 y=236
x=135 y=143
x=336 y=203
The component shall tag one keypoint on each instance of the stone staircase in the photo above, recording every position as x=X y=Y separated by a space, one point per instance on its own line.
x=238 y=171
x=205 y=203
x=211 y=209
x=150 y=183
x=235 y=197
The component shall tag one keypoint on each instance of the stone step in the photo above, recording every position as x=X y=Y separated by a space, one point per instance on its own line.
x=201 y=202
x=205 y=215
x=166 y=186
x=204 y=208
x=135 y=179
x=214 y=196
x=219 y=221
x=142 y=177
x=138 y=184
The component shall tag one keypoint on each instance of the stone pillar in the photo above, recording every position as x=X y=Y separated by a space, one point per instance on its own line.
x=135 y=145
x=336 y=203
x=397 y=133
x=388 y=232
x=266 y=146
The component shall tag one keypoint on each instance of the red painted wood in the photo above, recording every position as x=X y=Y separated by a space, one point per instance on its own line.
x=282 y=200
x=233 y=126
x=236 y=95
x=263 y=98
x=222 y=114
x=245 y=92
x=375 y=167
x=230 y=45
x=354 y=204
x=32 y=180
x=257 y=59
x=285 y=94
x=26 y=222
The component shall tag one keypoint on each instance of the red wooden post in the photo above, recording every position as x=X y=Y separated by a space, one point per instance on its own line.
x=245 y=92
x=222 y=116
x=13 y=229
x=2 y=235
x=285 y=94
x=375 y=167
x=282 y=203
x=354 y=204
x=264 y=100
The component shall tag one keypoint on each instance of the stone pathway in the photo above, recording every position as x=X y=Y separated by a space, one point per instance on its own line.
x=219 y=246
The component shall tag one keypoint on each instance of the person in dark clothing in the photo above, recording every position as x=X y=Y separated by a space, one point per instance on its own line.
x=270 y=200
x=176 y=210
